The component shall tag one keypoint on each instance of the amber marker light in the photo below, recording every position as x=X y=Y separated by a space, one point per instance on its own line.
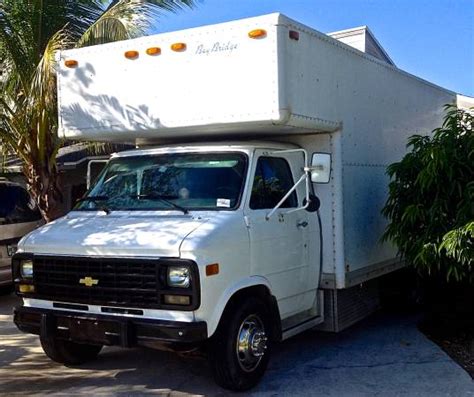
x=25 y=288
x=182 y=300
x=178 y=47
x=213 y=269
x=153 y=51
x=132 y=54
x=70 y=63
x=257 y=33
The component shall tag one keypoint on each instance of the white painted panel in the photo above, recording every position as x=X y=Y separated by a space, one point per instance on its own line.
x=222 y=78
x=273 y=85
x=325 y=192
x=378 y=107
x=280 y=250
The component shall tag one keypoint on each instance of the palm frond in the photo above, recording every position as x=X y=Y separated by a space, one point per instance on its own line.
x=43 y=81
x=13 y=46
x=42 y=99
x=80 y=15
x=124 y=19
x=31 y=34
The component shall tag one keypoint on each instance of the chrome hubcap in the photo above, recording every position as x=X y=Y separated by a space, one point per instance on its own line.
x=251 y=343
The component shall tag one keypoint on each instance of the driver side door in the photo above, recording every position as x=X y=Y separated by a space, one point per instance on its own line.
x=279 y=246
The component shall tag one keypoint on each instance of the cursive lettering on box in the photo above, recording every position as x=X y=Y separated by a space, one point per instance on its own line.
x=217 y=47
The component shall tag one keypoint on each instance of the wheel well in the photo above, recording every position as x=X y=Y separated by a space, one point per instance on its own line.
x=263 y=293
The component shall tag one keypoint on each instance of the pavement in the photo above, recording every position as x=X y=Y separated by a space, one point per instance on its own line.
x=384 y=355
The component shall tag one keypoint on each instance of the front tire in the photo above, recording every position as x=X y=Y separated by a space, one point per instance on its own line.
x=69 y=353
x=240 y=349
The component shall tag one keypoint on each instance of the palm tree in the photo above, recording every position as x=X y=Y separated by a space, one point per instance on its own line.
x=31 y=32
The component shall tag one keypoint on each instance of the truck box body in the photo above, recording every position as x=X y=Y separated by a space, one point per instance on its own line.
x=304 y=88
x=212 y=230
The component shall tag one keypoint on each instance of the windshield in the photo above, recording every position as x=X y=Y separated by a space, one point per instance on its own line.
x=16 y=206
x=178 y=181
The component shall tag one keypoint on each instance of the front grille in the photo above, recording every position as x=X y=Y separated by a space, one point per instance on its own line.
x=124 y=282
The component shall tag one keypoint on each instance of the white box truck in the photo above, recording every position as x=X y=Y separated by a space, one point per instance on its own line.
x=250 y=210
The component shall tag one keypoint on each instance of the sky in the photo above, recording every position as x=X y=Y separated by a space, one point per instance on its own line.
x=432 y=39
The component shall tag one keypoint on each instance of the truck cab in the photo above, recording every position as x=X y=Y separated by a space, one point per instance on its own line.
x=165 y=246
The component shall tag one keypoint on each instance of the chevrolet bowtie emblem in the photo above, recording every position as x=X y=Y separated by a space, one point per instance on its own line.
x=88 y=281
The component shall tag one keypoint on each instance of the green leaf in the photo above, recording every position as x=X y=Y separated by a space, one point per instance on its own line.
x=430 y=205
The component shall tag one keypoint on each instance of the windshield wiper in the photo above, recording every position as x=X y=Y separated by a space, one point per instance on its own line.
x=96 y=199
x=163 y=198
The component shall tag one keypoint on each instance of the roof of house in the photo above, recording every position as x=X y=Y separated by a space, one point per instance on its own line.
x=364 y=40
x=69 y=157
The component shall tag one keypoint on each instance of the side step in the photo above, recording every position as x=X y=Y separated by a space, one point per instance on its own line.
x=306 y=320
x=304 y=326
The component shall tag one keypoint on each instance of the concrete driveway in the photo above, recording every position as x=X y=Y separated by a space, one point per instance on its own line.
x=384 y=356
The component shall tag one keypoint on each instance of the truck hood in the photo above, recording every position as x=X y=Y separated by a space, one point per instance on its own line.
x=125 y=234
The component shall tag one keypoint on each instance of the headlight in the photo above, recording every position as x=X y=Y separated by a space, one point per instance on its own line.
x=26 y=268
x=179 y=276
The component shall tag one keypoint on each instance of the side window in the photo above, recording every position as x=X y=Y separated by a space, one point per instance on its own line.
x=17 y=206
x=272 y=181
x=27 y=211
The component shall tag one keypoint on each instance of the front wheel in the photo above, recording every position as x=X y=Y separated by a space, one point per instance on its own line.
x=69 y=353
x=240 y=350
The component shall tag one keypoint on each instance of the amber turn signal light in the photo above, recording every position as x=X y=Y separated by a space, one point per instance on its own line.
x=212 y=269
x=182 y=300
x=24 y=288
x=70 y=63
x=178 y=47
x=131 y=54
x=257 y=33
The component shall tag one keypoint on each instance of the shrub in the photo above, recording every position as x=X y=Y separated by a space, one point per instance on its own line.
x=430 y=207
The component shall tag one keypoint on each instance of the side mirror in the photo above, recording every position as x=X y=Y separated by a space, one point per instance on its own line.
x=314 y=203
x=320 y=167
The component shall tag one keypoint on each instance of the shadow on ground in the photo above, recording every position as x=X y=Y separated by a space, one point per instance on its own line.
x=386 y=355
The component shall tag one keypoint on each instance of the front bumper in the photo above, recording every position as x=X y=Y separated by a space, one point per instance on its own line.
x=106 y=330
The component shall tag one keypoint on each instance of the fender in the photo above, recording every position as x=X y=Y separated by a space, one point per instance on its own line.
x=251 y=281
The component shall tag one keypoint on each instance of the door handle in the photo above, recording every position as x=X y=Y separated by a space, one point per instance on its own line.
x=302 y=224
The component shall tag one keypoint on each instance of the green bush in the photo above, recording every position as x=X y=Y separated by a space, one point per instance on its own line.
x=430 y=207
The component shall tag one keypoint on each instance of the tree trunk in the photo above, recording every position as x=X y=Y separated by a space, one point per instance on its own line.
x=44 y=186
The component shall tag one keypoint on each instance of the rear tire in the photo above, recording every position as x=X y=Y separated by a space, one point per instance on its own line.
x=69 y=353
x=239 y=351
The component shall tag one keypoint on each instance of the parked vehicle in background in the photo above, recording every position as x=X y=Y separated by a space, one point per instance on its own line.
x=18 y=216
x=250 y=211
